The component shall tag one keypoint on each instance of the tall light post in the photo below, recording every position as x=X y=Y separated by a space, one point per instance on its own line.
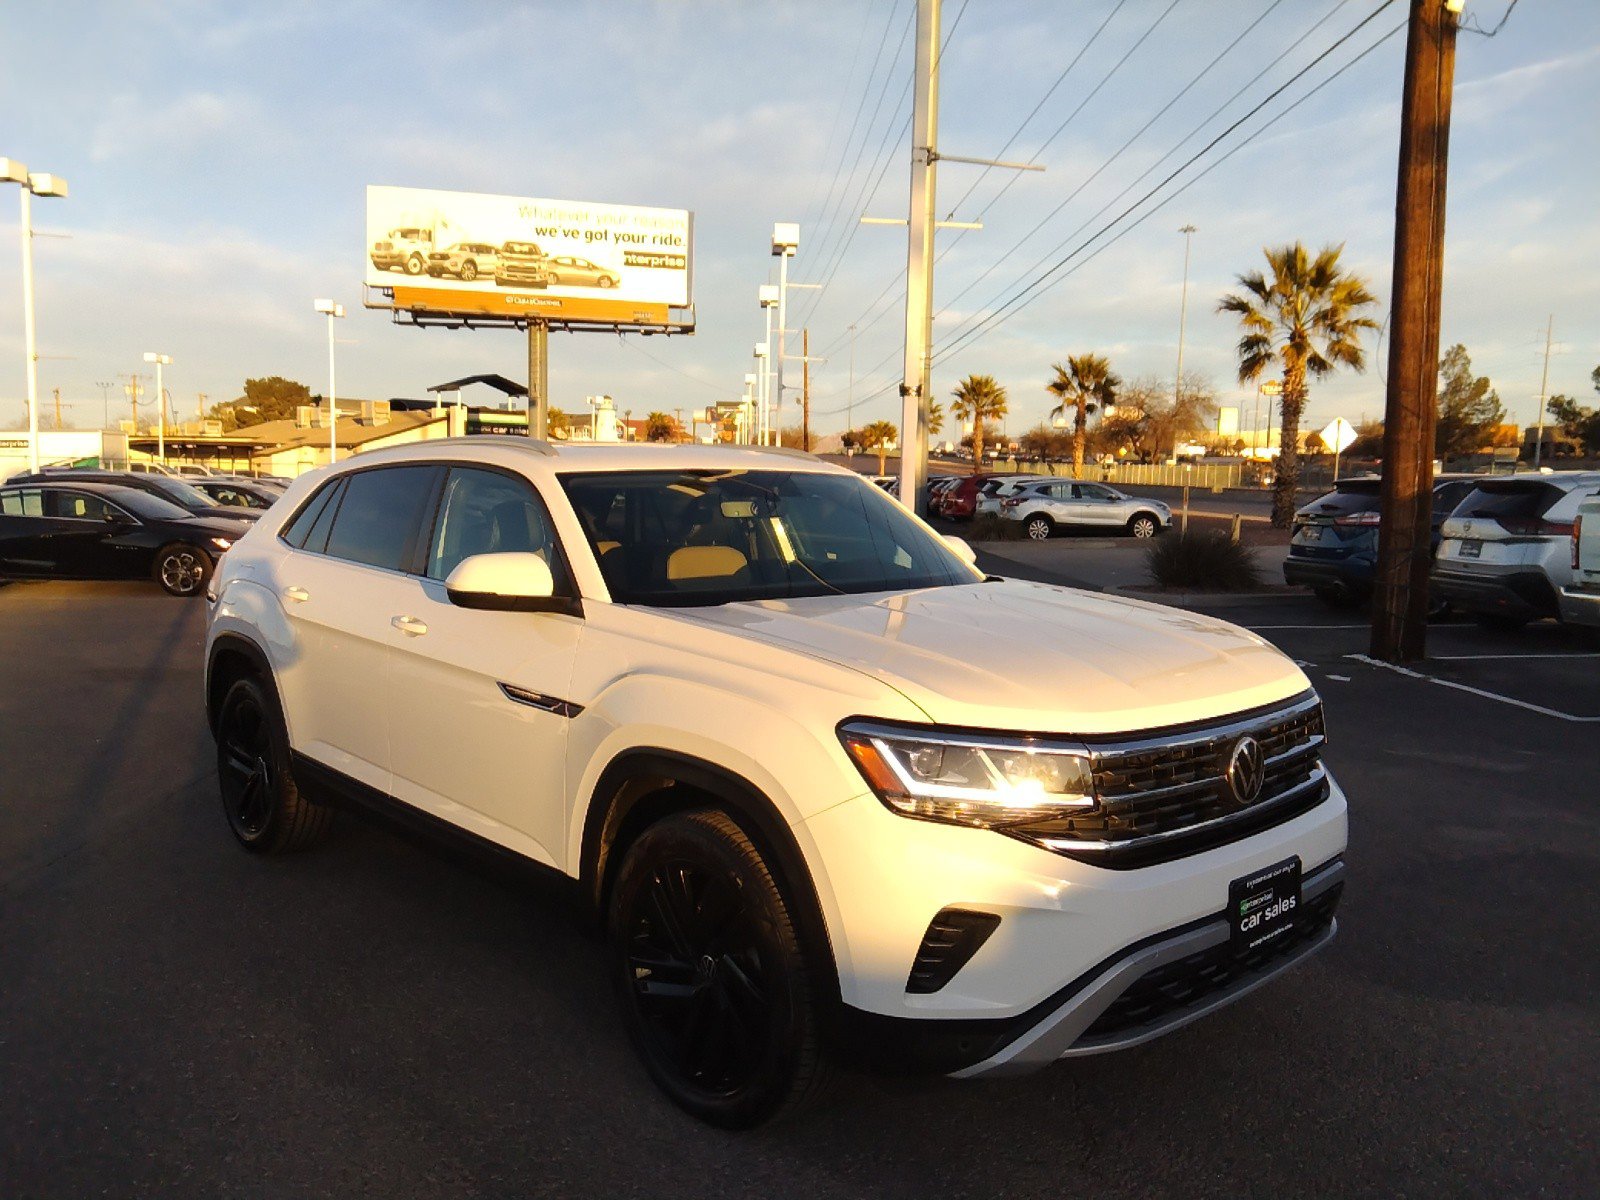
x=850 y=395
x=1271 y=389
x=758 y=423
x=35 y=184
x=768 y=294
x=331 y=311
x=160 y=360
x=1183 y=314
x=785 y=241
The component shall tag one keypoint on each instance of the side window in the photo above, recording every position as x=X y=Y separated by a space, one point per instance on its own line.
x=26 y=502
x=297 y=530
x=77 y=506
x=485 y=512
x=380 y=516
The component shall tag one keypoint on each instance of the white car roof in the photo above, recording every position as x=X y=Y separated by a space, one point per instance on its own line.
x=537 y=457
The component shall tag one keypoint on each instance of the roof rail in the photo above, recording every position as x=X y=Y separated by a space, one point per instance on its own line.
x=790 y=451
x=495 y=439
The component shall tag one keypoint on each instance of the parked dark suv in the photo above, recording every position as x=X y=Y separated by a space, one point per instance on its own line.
x=1334 y=549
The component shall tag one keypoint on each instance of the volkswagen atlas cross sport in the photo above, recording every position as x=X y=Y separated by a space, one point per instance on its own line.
x=833 y=794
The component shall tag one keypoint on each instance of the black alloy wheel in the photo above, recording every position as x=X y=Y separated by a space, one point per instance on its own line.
x=264 y=807
x=713 y=987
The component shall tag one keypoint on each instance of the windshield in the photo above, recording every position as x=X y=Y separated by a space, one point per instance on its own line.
x=670 y=538
x=185 y=494
x=143 y=504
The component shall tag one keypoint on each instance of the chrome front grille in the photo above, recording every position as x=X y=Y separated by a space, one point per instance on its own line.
x=1165 y=795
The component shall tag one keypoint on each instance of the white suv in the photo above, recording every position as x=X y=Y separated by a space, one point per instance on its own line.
x=1049 y=504
x=835 y=795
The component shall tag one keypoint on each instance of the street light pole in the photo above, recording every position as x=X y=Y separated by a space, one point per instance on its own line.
x=1183 y=314
x=768 y=294
x=332 y=311
x=160 y=360
x=785 y=241
x=33 y=184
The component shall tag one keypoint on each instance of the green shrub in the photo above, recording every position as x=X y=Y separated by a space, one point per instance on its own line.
x=990 y=528
x=1206 y=561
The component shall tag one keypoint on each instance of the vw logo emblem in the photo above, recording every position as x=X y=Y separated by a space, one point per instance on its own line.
x=1247 y=770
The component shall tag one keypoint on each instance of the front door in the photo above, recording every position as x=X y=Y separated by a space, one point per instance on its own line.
x=478 y=700
x=338 y=591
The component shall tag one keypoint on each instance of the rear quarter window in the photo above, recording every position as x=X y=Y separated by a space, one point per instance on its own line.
x=1345 y=499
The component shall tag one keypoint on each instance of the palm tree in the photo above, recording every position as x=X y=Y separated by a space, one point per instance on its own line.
x=978 y=398
x=1085 y=385
x=661 y=427
x=1308 y=317
x=879 y=436
x=935 y=419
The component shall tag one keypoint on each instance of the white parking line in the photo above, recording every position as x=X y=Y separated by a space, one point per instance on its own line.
x=1462 y=687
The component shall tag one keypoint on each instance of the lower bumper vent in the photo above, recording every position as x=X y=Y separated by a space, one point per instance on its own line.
x=954 y=936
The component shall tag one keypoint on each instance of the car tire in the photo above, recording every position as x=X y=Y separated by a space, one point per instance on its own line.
x=710 y=975
x=553 y=279
x=182 y=569
x=262 y=802
x=415 y=265
x=607 y=282
x=1339 y=598
x=1039 y=527
x=1143 y=525
x=469 y=271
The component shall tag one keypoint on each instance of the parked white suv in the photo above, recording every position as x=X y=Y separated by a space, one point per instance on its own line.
x=1505 y=552
x=1050 y=504
x=1580 y=599
x=834 y=793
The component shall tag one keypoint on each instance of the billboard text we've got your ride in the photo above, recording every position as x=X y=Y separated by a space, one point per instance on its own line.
x=466 y=252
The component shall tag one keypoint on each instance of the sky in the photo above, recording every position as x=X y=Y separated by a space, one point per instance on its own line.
x=218 y=152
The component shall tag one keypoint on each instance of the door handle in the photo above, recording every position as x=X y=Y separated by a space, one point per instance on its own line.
x=298 y=594
x=409 y=626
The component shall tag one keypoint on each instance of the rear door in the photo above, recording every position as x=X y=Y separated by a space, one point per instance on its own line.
x=24 y=533
x=347 y=578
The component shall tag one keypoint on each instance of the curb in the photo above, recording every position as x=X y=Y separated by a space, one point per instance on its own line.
x=1209 y=599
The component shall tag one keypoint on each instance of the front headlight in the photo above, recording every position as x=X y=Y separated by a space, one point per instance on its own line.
x=221 y=543
x=969 y=779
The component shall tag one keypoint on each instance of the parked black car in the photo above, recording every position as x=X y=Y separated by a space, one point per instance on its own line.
x=1334 y=548
x=170 y=488
x=54 y=529
x=237 y=493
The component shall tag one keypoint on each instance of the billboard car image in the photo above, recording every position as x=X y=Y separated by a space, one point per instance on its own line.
x=468 y=252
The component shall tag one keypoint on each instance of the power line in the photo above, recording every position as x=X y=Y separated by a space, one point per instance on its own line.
x=866 y=90
x=1017 y=302
x=1145 y=174
x=718 y=388
x=1050 y=91
x=886 y=148
x=838 y=112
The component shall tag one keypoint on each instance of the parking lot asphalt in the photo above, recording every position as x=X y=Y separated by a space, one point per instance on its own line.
x=379 y=1018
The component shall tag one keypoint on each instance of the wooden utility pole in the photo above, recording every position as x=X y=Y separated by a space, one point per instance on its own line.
x=56 y=392
x=1400 y=601
x=805 y=390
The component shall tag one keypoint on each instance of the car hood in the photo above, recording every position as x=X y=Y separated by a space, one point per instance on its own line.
x=228 y=527
x=1016 y=655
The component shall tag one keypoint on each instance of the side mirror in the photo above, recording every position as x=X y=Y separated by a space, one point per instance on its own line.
x=514 y=581
x=962 y=551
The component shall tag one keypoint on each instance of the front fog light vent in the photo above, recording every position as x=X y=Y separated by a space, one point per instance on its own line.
x=953 y=937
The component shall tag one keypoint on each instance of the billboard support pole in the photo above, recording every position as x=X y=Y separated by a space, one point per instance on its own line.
x=539 y=379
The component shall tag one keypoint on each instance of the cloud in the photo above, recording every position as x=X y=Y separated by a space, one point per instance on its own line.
x=132 y=126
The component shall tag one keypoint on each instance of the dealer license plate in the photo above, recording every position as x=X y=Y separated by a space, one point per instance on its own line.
x=1262 y=906
x=1470 y=548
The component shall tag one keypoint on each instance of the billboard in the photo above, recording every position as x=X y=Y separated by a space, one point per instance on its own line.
x=470 y=253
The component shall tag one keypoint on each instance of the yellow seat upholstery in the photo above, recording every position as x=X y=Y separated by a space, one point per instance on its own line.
x=705 y=562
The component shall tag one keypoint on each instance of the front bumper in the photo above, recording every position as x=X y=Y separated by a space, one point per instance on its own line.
x=1523 y=595
x=1071 y=940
